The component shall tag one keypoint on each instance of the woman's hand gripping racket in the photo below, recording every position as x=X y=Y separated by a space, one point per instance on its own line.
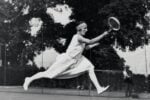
x=114 y=24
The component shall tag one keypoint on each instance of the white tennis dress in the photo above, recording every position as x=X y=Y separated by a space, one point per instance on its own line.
x=71 y=63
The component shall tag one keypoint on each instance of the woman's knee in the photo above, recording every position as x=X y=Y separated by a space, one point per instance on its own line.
x=91 y=67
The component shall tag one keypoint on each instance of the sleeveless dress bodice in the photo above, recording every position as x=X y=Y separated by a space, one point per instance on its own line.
x=75 y=48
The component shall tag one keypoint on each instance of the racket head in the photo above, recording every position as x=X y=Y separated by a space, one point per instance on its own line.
x=114 y=23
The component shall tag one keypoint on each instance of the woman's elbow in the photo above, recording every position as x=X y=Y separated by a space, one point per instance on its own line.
x=87 y=47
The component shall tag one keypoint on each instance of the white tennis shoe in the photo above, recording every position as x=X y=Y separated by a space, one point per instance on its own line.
x=102 y=89
x=26 y=83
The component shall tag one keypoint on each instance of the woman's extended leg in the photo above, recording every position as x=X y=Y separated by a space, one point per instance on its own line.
x=50 y=73
x=38 y=75
x=57 y=68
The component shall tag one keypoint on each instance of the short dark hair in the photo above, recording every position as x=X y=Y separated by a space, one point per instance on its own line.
x=78 y=23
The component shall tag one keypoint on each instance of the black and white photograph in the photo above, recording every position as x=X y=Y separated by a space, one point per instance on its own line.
x=74 y=49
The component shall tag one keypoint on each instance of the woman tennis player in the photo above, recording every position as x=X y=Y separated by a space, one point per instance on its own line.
x=72 y=63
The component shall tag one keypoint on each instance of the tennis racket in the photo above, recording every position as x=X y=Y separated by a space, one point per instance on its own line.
x=114 y=24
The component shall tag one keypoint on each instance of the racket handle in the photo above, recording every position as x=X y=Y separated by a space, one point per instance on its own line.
x=110 y=29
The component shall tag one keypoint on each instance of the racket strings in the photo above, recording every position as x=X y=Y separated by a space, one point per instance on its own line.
x=114 y=23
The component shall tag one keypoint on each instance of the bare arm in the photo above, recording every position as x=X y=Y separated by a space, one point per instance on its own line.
x=92 y=45
x=92 y=41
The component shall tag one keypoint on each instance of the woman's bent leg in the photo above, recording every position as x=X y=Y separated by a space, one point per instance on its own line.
x=94 y=80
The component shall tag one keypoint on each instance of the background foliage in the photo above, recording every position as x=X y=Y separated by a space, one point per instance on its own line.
x=95 y=12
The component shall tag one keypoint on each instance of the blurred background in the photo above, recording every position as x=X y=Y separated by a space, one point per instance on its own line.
x=34 y=32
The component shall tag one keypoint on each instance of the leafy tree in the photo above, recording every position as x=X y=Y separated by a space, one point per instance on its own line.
x=94 y=12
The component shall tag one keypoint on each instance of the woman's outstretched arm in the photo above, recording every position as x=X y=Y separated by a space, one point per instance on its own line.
x=92 y=41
